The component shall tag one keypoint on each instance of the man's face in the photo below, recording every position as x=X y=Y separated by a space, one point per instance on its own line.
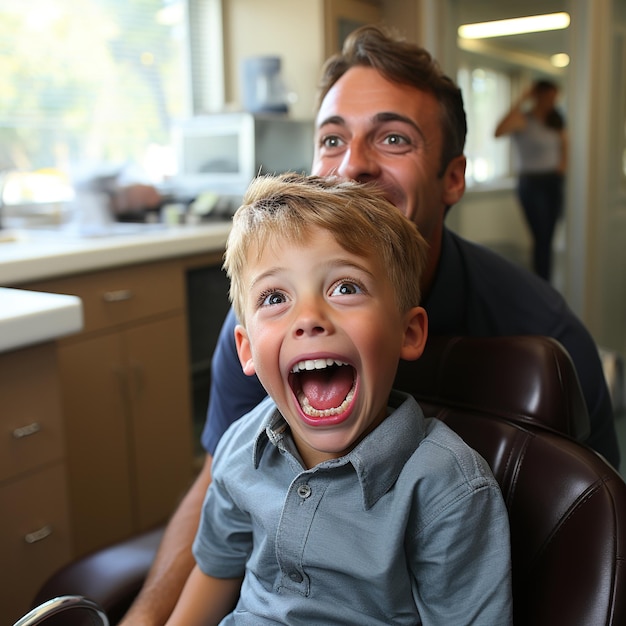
x=371 y=129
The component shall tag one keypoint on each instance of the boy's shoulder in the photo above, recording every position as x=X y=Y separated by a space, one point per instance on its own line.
x=449 y=460
x=424 y=449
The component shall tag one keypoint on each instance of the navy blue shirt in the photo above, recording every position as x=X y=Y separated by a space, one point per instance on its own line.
x=409 y=527
x=475 y=293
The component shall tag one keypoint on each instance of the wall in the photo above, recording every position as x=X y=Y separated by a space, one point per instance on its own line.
x=298 y=33
x=493 y=218
x=292 y=30
x=597 y=259
x=590 y=252
x=591 y=255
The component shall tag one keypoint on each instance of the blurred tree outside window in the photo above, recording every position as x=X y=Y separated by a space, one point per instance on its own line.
x=92 y=82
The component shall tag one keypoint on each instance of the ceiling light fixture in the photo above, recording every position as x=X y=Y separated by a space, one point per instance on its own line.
x=560 y=60
x=515 y=26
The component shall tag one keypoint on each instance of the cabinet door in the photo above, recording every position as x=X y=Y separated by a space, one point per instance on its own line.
x=97 y=440
x=30 y=410
x=162 y=457
x=34 y=537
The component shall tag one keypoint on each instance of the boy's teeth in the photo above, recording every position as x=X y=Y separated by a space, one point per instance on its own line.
x=311 y=412
x=314 y=364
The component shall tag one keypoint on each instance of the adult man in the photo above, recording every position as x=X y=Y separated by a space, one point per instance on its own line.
x=387 y=114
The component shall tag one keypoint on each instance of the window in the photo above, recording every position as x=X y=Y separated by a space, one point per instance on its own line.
x=91 y=83
x=487 y=96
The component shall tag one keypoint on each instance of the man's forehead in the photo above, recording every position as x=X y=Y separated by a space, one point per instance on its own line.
x=365 y=93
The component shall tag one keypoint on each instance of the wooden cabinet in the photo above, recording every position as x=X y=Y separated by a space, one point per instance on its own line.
x=35 y=537
x=126 y=401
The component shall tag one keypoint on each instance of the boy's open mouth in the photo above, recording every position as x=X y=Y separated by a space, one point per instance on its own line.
x=323 y=387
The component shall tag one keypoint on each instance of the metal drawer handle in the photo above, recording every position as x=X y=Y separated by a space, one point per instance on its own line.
x=117 y=296
x=38 y=535
x=27 y=431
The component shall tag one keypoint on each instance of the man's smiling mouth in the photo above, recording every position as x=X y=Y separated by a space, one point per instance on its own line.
x=324 y=387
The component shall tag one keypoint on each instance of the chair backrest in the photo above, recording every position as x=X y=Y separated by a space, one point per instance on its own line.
x=518 y=402
x=529 y=380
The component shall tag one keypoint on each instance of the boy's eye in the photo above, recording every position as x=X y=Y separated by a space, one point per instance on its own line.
x=269 y=298
x=346 y=289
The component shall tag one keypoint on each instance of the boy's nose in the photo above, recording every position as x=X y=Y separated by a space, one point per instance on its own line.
x=309 y=330
x=312 y=321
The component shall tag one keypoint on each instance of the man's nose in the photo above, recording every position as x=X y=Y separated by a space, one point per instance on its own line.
x=359 y=162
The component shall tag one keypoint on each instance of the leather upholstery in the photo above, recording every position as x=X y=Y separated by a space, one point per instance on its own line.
x=508 y=398
x=530 y=380
x=112 y=577
x=518 y=402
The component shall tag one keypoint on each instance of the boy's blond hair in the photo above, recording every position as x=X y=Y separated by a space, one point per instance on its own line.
x=283 y=208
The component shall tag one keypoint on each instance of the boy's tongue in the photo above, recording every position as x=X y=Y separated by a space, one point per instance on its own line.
x=328 y=388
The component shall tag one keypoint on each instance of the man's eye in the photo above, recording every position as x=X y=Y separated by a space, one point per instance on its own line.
x=346 y=289
x=396 y=140
x=331 y=141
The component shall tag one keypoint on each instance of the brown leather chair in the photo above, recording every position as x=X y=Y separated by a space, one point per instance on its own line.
x=518 y=402
x=530 y=380
x=112 y=577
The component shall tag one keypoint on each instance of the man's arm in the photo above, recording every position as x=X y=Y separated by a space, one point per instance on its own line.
x=174 y=560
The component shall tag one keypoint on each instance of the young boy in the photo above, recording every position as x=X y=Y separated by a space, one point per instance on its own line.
x=336 y=501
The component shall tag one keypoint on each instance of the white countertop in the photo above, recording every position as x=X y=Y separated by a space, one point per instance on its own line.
x=29 y=255
x=28 y=317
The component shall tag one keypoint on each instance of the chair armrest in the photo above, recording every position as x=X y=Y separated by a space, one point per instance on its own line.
x=112 y=576
x=43 y=614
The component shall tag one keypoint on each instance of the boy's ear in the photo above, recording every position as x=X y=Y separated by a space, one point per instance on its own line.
x=244 y=352
x=415 y=334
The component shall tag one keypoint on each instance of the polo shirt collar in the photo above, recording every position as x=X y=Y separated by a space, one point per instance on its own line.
x=377 y=460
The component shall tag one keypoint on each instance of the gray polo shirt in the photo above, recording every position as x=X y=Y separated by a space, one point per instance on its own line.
x=408 y=528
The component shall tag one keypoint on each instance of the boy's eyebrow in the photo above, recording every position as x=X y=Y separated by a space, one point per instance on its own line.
x=350 y=263
x=333 y=263
x=267 y=274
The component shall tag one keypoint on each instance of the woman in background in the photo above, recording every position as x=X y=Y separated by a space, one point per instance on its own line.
x=538 y=132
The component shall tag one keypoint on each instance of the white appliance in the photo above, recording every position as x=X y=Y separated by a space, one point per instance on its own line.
x=223 y=152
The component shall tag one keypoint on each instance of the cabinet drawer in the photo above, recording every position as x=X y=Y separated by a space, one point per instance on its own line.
x=30 y=410
x=34 y=538
x=118 y=296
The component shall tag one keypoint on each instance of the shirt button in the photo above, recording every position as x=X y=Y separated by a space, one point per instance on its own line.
x=304 y=491
x=296 y=577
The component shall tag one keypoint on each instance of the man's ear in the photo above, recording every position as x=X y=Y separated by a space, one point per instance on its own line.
x=244 y=351
x=454 y=181
x=415 y=334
